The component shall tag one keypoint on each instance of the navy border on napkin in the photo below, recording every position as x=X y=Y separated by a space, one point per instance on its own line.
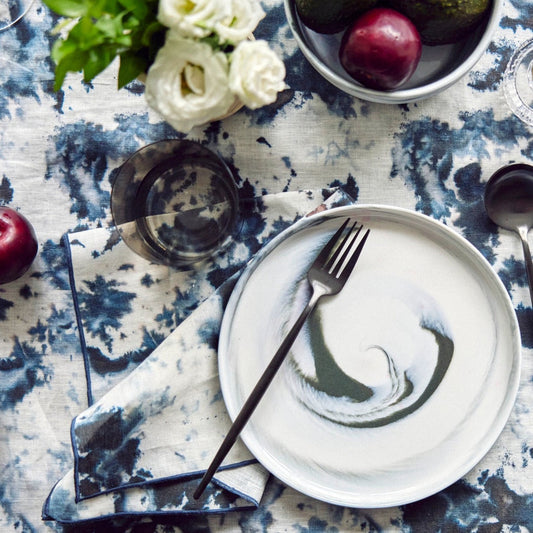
x=127 y=446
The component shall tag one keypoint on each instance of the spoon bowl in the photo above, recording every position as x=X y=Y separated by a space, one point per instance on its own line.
x=509 y=204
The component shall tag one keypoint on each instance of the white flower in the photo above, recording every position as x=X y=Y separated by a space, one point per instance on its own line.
x=256 y=74
x=240 y=22
x=188 y=83
x=193 y=18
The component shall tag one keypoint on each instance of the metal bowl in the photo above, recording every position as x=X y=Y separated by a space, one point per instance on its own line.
x=439 y=67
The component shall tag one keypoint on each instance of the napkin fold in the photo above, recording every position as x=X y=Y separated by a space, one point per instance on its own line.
x=149 y=338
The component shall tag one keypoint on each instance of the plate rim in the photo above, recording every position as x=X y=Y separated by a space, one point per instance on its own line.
x=502 y=414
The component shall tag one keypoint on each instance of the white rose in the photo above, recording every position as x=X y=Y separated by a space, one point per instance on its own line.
x=188 y=83
x=240 y=22
x=192 y=18
x=256 y=74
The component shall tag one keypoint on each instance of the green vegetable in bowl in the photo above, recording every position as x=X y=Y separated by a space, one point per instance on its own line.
x=331 y=16
x=443 y=21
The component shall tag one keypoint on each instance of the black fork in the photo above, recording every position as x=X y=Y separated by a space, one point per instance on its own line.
x=327 y=275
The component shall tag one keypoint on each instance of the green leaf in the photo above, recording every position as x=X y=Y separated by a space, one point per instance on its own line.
x=86 y=34
x=139 y=9
x=110 y=27
x=149 y=32
x=70 y=63
x=131 y=65
x=69 y=8
x=99 y=7
x=104 y=30
x=62 y=48
x=211 y=40
x=97 y=61
x=131 y=23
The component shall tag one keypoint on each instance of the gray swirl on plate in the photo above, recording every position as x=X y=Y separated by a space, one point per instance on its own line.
x=372 y=356
x=414 y=294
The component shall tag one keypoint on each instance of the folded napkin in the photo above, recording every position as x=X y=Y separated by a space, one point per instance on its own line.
x=149 y=338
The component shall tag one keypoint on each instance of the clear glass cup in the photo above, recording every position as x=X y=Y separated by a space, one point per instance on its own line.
x=518 y=82
x=175 y=202
x=11 y=11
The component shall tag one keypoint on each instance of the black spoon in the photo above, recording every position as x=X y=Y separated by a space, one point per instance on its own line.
x=509 y=203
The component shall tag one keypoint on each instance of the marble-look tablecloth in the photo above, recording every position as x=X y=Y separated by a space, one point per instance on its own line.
x=59 y=153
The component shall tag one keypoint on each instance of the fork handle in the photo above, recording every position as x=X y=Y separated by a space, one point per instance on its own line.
x=259 y=390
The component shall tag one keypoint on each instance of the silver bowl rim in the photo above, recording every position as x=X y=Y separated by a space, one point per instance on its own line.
x=401 y=96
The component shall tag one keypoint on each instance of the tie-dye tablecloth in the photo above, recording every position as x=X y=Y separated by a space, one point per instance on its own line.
x=59 y=153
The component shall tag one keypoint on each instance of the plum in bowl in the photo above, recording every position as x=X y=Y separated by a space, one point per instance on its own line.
x=439 y=66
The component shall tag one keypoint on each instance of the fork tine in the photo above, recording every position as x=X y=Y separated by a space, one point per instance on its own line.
x=330 y=262
x=355 y=256
x=324 y=254
x=334 y=266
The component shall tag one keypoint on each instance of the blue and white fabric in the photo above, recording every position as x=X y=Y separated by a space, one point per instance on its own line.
x=59 y=153
x=143 y=446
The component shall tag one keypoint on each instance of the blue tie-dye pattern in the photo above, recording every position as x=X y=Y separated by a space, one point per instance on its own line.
x=513 y=272
x=104 y=305
x=349 y=187
x=6 y=191
x=151 y=339
x=114 y=462
x=21 y=371
x=16 y=83
x=425 y=158
x=166 y=317
x=147 y=281
x=427 y=148
x=525 y=15
x=54 y=258
x=4 y=306
x=502 y=51
x=82 y=152
x=58 y=331
x=490 y=79
x=454 y=508
x=450 y=191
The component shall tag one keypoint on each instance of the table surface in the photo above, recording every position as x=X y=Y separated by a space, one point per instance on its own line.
x=59 y=153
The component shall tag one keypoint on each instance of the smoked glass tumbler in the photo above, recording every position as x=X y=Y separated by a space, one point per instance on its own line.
x=175 y=202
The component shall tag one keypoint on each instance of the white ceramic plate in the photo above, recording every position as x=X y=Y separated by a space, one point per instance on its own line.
x=398 y=385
